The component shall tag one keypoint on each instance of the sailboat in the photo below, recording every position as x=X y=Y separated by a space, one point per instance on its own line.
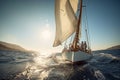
x=67 y=24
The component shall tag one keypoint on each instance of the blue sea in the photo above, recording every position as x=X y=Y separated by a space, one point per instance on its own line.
x=16 y=65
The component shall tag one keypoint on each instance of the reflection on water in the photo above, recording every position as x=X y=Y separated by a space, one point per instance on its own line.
x=26 y=66
x=48 y=69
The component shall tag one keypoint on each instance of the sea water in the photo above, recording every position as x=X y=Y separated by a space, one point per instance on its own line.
x=14 y=65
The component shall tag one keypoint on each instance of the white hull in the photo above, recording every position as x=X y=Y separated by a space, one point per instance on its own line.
x=76 y=56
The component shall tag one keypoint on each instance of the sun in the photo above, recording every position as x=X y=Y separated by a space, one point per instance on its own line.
x=46 y=34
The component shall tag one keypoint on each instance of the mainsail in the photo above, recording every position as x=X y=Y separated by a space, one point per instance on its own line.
x=74 y=4
x=66 y=21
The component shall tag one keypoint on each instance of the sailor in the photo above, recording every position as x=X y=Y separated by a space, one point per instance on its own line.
x=84 y=46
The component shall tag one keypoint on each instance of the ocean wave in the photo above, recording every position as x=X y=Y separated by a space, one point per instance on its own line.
x=49 y=69
x=52 y=67
x=103 y=57
x=117 y=60
x=14 y=57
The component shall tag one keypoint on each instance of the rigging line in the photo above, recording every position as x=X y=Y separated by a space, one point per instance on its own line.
x=87 y=28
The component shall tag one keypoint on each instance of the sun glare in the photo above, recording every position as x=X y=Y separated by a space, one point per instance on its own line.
x=46 y=34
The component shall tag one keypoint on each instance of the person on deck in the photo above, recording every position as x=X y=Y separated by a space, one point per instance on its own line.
x=85 y=46
x=82 y=46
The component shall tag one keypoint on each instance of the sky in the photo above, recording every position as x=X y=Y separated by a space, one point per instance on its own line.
x=31 y=23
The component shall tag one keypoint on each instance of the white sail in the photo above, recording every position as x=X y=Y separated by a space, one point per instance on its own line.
x=74 y=4
x=66 y=20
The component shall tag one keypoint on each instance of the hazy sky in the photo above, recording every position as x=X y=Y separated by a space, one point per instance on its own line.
x=31 y=23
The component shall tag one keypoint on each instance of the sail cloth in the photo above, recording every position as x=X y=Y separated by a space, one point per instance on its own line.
x=66 y=21
x=74 y=4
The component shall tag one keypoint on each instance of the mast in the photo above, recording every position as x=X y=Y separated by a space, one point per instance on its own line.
x=76 y=39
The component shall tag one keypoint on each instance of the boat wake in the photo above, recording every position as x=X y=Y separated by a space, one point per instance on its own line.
x=55 y=69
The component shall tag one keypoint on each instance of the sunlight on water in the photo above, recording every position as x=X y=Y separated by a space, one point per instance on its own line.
x=53 y=68
x=41 y=66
